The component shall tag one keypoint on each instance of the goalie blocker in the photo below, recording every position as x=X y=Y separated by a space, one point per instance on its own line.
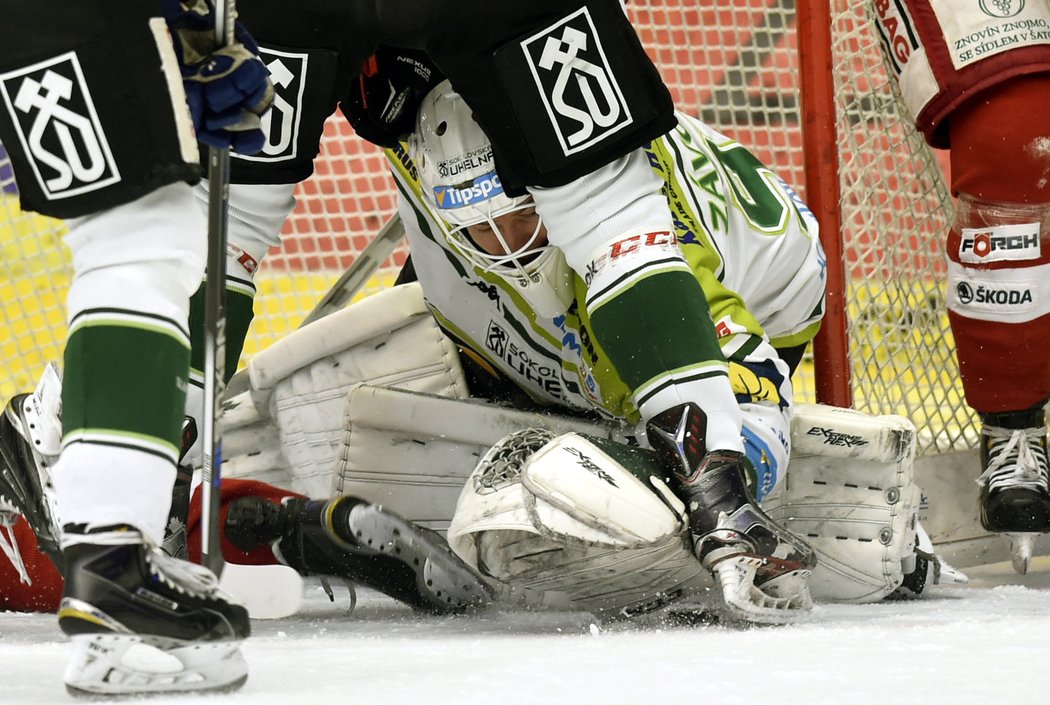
x=371 y=402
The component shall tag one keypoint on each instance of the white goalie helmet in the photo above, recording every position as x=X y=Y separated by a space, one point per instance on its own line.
x=457 y=173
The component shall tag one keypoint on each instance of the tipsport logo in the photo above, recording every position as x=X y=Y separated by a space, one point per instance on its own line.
x=579 y=91
x=481 y=189
x=58 y=127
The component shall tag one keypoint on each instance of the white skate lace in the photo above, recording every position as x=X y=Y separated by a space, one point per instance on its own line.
x=183 y=576
x=1016 y=459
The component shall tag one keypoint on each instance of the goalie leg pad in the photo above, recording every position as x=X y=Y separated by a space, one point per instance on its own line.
x=558 y=519
x=851 y=495
x=412 y=452
x=299 y=386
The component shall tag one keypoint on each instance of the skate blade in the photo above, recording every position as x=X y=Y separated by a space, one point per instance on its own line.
x=108 y=665
x=447 y=583
x=784 y=599
x=1021 y=546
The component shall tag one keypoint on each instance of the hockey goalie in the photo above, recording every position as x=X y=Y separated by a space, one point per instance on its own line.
x=561 y=510
x=520 y=321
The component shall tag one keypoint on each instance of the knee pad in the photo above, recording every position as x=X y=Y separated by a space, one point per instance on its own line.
x=999 y=144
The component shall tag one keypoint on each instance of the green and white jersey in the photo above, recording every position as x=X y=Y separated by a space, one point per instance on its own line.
x=749 y=241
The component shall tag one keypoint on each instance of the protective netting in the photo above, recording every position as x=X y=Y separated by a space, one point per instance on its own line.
x=737 y=68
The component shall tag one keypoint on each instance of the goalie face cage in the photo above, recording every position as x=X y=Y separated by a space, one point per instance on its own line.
x=885 y=346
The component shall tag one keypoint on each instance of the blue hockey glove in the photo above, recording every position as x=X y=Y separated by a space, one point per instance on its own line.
x=228 y=89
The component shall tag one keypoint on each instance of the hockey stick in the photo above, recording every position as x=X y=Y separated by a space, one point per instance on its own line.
x=215 y=324
x=362 y=268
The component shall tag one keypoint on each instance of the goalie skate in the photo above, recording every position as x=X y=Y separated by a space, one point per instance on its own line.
x=144 y=622
x=762 y=568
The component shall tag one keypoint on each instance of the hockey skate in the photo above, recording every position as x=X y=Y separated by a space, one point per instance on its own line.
x=144 y=622
x=924 y=568
x=1015 y=494
x=761 y=567
x=29 y=441
x=349 y=538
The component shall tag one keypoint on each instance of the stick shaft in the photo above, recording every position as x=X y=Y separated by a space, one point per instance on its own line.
x=215 y=326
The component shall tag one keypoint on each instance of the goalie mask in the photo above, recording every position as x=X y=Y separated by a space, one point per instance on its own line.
x=497 y=233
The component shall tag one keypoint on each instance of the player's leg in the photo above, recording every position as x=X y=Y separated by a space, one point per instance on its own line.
x=349 y=538
x=102 y=137
x=980 y=105
x=999 y=293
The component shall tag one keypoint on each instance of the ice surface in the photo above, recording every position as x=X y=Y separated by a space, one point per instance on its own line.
x=982 y=644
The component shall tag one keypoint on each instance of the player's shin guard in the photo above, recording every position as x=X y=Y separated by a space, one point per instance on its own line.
x=762 y=567
x=362 y=542
x=999 y=302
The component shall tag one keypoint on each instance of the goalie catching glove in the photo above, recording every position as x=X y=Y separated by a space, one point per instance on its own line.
x=762 y=568
x=228 y=89
x=575 y=522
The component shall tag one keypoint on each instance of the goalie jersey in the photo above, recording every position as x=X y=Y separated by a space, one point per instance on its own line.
x=748 y=238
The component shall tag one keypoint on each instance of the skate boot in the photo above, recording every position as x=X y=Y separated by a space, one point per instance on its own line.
x=25 y=476
x=763 y=568
x=144 y=622
x=1015 y=497
x=361 y=542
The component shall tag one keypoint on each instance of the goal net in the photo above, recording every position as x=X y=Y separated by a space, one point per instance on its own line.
x=737 y=66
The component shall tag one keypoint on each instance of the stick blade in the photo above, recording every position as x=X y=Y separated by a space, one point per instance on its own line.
x=268 y=591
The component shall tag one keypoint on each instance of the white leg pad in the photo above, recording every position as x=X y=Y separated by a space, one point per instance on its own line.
x=289 y=428
x=413 y=452
x=850 y=493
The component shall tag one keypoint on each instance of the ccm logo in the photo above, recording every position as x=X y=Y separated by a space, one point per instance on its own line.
x=634 y=243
